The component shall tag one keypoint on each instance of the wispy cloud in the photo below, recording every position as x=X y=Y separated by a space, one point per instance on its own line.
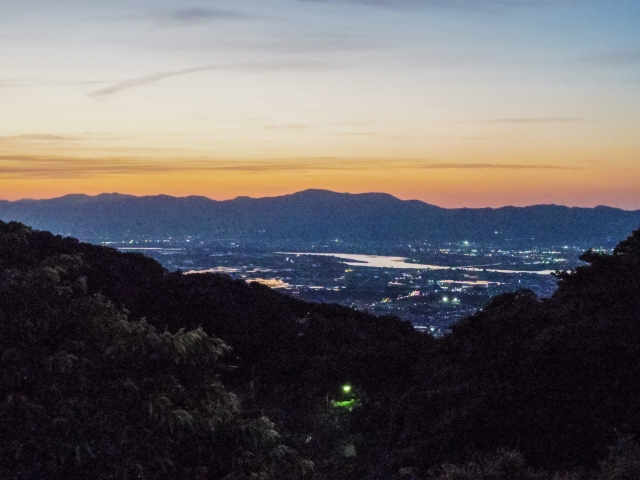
x=289 y=126
x=33 y=166
x=285 y=41
x=529 y=120
x=187 y=16
x=122 y=85
x=144 y=80
x=37 y=138
x=49 y=140
x=45 y=83
x=497 y=166
x=194 y=16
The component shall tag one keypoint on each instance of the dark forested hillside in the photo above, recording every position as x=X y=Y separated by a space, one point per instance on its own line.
x=86 y=392
x=115 y=368
x=555 y=378
x=288 y=360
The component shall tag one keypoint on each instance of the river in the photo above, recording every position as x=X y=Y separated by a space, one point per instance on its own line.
x=382 y=261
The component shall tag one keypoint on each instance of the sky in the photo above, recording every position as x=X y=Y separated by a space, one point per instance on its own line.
x=459 y=103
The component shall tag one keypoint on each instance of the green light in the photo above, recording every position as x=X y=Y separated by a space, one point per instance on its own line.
x=346 y=388
x=348 y=405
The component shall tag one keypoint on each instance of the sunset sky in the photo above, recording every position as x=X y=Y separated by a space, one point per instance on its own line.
x=453 y=102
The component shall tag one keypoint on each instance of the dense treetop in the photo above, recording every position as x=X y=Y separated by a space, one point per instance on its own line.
x=114 y=367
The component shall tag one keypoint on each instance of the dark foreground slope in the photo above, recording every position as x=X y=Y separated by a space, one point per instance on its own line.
x=316 y=215
x=64 y=310
x=86 y=392
x=557 y=378
x=91 y=390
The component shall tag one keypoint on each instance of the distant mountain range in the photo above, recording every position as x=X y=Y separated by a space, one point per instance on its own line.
x=316 y=215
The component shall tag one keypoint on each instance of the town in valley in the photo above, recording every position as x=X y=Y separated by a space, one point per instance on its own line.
x=432 y=286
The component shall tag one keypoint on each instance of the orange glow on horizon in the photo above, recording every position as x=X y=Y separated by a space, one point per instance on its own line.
x=512 y=103
x=450 y=186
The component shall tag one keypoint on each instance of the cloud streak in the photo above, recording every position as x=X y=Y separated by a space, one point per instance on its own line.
x=529 y=120
x=122 y=85
x=497 y=166
x=36 y=138
x=195 y=16
x=45 y=83
x=48 y=140
x=32 y=166
x=114 y=88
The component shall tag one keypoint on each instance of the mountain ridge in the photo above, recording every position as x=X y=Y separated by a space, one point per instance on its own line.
x=306 y=192
x=316 y=215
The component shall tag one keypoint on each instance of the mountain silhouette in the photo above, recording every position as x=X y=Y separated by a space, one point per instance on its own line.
x=316 y=215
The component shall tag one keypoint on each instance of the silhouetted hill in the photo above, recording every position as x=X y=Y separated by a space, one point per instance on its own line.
x=289 y=358
x=112 y=369
x=315 y=215
x=555 y=378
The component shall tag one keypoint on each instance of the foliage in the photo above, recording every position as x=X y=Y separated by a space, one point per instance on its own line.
x=115 y=368
x=623 y=462
x=505 y=465
x=88 y=393
x=554 y=378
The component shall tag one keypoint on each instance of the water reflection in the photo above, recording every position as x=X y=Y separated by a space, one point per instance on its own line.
x=382 y=261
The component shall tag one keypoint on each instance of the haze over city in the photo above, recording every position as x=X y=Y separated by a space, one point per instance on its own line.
x=456 y=103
